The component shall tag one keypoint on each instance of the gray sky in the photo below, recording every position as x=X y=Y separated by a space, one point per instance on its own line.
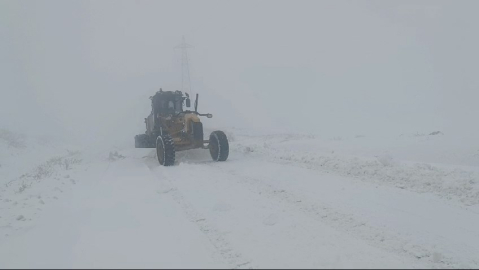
x=87 y=68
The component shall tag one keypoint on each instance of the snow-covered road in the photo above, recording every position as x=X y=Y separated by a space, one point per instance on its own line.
x=257 y=210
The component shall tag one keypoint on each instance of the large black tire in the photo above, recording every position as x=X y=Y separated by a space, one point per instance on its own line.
x=165 y=150
x=143 y=141
x=219 y=147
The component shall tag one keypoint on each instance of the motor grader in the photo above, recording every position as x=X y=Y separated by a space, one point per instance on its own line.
x=170 y=128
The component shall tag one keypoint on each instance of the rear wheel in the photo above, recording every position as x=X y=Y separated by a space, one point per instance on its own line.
x=165 y=150
x=219 y=147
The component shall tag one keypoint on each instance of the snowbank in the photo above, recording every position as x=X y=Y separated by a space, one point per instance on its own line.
x=390 y=162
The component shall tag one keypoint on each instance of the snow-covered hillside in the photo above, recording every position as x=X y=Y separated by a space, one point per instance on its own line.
x=281 y=200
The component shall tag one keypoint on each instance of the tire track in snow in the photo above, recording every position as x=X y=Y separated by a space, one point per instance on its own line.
x=378 y=237
x=223 y=247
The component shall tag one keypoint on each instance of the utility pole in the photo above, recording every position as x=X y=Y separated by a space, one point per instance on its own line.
x=185 y=69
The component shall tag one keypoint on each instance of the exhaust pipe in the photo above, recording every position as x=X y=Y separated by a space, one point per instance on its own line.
x=196 y=103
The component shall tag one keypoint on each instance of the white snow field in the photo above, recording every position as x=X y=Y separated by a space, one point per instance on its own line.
x=279 y=201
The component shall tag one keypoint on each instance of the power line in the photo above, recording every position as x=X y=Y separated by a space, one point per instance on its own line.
x=185 y=68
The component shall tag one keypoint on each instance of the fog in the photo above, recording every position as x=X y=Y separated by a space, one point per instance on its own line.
x=85 y=69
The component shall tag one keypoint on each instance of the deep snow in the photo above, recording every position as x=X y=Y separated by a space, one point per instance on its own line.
x=281 y=200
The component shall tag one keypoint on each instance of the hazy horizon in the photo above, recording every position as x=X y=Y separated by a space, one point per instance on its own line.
x=87 y=68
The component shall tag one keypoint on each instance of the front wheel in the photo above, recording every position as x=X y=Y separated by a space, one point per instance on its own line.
x=219 y=147
x=165 y=150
